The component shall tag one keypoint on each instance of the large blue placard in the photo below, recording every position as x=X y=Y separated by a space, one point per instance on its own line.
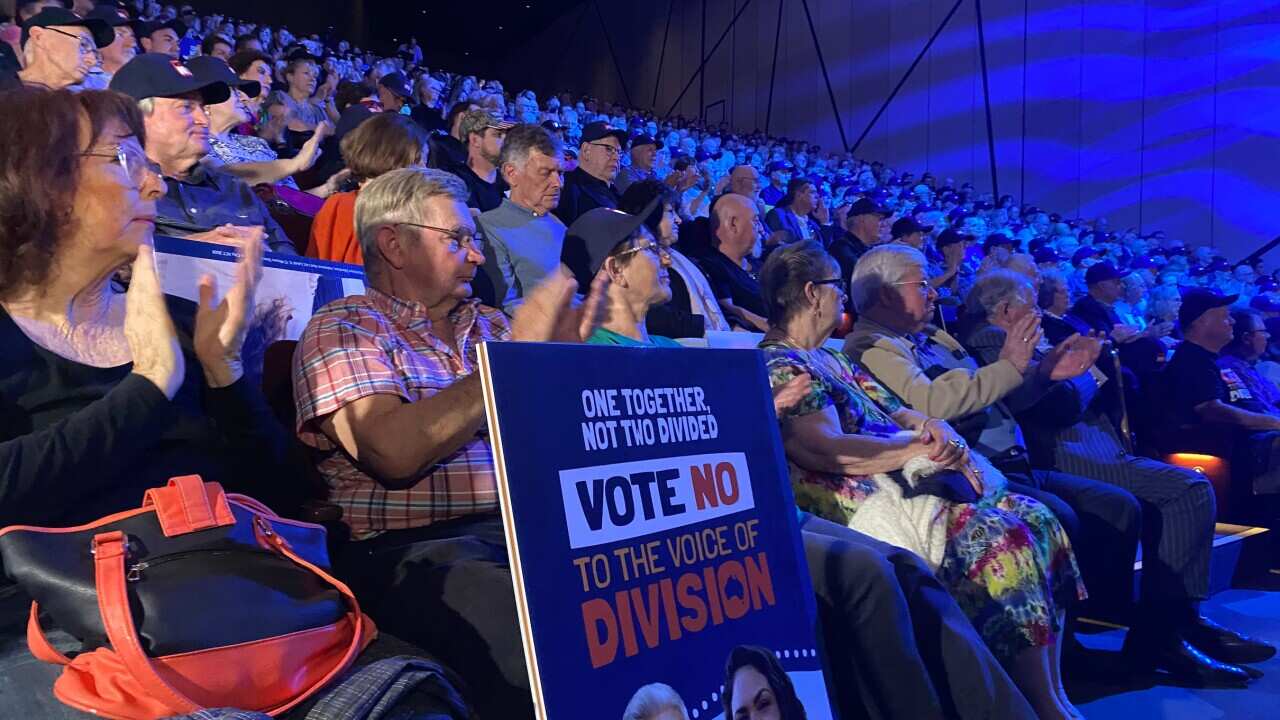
x=651 y=527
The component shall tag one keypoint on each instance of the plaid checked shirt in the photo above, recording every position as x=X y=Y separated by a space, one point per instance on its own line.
x=376 y=344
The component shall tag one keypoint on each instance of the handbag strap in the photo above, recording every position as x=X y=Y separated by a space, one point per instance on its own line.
x=38 y=643
x=113 y=602
x=188 y=504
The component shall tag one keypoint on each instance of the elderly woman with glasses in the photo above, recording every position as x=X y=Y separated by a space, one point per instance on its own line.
x=106 y=393
x=1004 y=556
x=638 y=267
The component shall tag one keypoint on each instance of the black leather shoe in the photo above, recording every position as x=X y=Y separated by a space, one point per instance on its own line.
x=1225 y=645
x=1185 y=664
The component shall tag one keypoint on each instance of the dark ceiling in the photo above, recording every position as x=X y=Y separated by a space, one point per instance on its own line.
x=465 y=36
x=468 y=36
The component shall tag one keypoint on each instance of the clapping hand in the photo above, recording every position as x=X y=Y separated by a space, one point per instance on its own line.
x=1124 y=333
x=1072 y=357
x=220 y=329
x=1021 y=340
x=548 y=313
x=148 y=329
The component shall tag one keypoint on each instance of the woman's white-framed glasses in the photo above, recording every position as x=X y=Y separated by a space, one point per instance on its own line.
x=134 y=161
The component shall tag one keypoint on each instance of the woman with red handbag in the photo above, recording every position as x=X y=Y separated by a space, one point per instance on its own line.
x=107 y=394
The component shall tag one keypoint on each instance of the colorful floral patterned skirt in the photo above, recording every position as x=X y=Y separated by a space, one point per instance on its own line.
x=1010 y=567
x=1008 y=562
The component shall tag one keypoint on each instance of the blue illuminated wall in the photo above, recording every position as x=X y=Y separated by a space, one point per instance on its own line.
x=1157 y=114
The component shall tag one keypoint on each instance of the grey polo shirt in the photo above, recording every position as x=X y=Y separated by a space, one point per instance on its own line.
x=521 y=248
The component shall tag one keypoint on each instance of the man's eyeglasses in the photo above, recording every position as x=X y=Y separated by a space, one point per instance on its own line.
x=87 y=46
x=132 y=159
x=924 y=284
x=659 y=251
x=457 y=239
x=839 y=284
x=609 y=150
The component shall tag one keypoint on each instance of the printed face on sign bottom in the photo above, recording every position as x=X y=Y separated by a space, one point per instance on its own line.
x=753 y=698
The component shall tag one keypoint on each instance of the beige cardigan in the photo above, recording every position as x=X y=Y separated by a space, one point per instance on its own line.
x=889 y=356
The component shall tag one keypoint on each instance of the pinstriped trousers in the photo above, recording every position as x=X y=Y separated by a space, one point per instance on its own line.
x=1178 y=507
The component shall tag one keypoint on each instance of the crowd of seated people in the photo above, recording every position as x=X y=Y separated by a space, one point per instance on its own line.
x=1000 y=350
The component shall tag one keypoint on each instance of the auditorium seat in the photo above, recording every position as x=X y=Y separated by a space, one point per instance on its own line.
x=310 y=499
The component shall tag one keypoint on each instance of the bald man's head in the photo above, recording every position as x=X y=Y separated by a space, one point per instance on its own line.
x=733 y=224
x=745 y=180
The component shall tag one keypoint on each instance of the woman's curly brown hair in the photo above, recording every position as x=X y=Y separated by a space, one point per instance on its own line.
x=40 y=154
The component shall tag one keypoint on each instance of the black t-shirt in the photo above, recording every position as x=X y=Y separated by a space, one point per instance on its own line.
x=729 y=280
x=583 y=192
x=483 y=195
x=430 y=119
x=1193 y=378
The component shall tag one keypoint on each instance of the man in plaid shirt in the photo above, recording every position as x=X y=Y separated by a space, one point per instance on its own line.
x=388 y=396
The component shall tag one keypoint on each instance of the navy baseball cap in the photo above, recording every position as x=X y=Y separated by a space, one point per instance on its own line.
x=1101 y=272
x=779 y=165
x=145 y=28
x=1085 y=252
x=102 y=33
x=867 y=206
x=907 y=225
x=156 y=75
x=599 y=130
x=951 y=236
x=113 y=15
x=211 y=69
x=1197 y=301
x=599 y=230
x=1264 y=303
x=1046 y=255
x=640 y=139
x=996 y=240
x=397 y=83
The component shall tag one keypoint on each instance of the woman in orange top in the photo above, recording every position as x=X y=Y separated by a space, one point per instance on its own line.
x=384 y=142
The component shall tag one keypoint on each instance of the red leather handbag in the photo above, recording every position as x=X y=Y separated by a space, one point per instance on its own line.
x=197 y=599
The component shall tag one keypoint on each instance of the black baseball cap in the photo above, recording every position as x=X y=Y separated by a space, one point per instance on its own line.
x=1264 y=303
x=996 y=240
x=640 y=139
x=907 y=225
x=145 y=28
x=777 y=165
x=867 y=206
x=1085 y=252
x=599 y=130
x=1197 y=301
x=1102 y=271
x=1046 y=255
x=102 y=33
x=397 y=83
x=599 y=230
x=300 y=52
x=111 y=14
x=951 y=236
x=209 y=68
x=157 y=75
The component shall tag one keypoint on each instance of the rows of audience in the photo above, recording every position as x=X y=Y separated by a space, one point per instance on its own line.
x=1017 y=363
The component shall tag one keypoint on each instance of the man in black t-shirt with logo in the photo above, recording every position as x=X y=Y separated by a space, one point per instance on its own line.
x=1203 y=394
